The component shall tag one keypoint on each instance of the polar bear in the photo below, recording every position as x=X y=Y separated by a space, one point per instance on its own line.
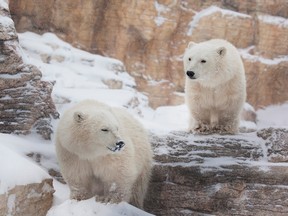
x=215 y=86
x=103 y=152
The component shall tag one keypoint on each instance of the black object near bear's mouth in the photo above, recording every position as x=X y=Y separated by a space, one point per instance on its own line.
x=119 y=145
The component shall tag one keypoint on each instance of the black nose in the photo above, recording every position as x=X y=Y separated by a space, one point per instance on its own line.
x=190 y=73
x=120 y=144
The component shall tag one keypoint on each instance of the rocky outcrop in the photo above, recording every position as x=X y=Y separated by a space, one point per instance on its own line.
x=27 y=200
x=25 y=188
x=220 y=175
x=150 y=38
x=269 y=85
x=25 y=100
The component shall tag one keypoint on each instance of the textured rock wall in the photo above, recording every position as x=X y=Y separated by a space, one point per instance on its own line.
x=220 y=175
x=150 y=37
x=25 y=100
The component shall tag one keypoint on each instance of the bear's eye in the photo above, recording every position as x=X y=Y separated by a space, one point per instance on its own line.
x=203 y=61
x=189 y=59
x=104 y=129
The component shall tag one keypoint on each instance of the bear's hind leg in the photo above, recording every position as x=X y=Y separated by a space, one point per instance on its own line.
x=214 y=120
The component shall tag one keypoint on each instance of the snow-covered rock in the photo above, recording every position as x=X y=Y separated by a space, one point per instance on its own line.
x=243 y=174
x=25 y=99
x=25 y=188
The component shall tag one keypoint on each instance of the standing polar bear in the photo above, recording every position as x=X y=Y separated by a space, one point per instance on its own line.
x=103 y=152
x=215 y=88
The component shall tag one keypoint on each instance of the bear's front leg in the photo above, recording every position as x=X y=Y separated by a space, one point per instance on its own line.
x=79 y=192
x=214 y=120
x=115 y=193
x=201 y=128
x=80 y=186
x=230 y=126
x=198 y=127
x=110 y=198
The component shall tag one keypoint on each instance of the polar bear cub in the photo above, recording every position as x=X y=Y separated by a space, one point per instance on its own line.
x=103 y=152
x=215 y=88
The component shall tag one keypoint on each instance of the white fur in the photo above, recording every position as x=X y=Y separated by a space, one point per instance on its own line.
x=216 y=96
x=87 y=164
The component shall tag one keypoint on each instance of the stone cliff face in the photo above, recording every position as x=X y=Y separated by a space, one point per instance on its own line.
x=150 y=38
x=219 y=175
x=25 y=100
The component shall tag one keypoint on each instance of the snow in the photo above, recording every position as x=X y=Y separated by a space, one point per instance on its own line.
x=173 y=122
x=273 y=116
x=207 y=164
x=6 y=21
x=274 y=20
x=253 y=58
x=21 y=171
x=91 y=208
x=211 y=10
x=159 y=20
x=4 y=4
x=81 y=75
x=11 y=203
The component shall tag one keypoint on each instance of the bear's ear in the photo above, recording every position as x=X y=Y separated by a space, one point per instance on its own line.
x=221 y=51
x=191 y=44
x=79 y=117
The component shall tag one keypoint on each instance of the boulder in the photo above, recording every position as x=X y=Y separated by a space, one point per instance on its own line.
x=27 y=200
x=244 y=174
x=25 y=100
x=25 y=188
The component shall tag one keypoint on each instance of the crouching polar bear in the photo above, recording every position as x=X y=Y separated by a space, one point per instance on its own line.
x=215 y=88
x=103 y=152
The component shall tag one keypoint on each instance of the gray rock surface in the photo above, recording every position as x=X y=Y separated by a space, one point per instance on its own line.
x=245 y=174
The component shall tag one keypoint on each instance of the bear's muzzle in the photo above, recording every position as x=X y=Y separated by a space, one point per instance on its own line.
x=190 y=74
x=118 y=146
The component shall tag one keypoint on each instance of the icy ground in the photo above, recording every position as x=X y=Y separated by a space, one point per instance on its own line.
x=80 y=75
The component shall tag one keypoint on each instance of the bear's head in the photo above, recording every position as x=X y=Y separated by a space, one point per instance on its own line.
x=205 y=62
x=95 y=133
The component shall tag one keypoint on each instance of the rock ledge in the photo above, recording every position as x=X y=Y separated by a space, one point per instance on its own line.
x=244 y=174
